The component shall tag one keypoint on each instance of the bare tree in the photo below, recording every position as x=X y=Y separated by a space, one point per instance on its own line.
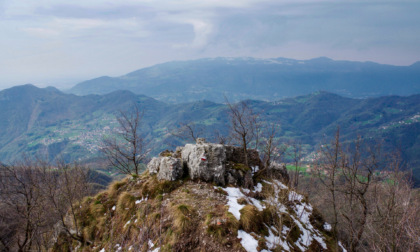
x=326 y=169
x=358 y=170
x=189 y=131
x=296 y=154
x=64 y=190
x=395 y=222
x=128 y=149
x=23 y=207
x=244 y=125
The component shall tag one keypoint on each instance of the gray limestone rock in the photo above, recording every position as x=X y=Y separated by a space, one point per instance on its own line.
x=166 y=168
x=205 y=161
x=170 y=169
x=208 y=162
x=153 y=165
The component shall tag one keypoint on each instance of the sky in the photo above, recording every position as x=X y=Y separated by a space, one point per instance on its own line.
x=60 y=42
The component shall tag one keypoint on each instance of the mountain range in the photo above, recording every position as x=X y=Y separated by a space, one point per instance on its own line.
x=49 y=122
x=259 y=79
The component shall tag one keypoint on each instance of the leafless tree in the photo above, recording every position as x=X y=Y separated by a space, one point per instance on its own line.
x=395 y=222
x=22 y=207
x=326 y=169
x=296 y=155
x=64 y=190
x=358 y=168
x=221 y=138
x=270 y=147
x=189 y=131
x=244 y=125
x=128 y=149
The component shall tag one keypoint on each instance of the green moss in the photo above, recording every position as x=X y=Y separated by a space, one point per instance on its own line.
x=241 y=167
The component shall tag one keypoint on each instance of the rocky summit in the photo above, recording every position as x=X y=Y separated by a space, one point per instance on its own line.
x=202 y=197
x=209 y=162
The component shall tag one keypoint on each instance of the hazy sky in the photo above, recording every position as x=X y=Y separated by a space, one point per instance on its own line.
x=61 y=42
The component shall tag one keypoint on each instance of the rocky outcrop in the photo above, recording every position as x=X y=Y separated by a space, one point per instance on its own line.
x=208 y=162
x=166 y=168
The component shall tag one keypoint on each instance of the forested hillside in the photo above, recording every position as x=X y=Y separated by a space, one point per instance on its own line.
x=50 y=123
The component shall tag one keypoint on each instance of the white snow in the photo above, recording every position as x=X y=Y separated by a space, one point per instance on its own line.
x=150 y=243
x=128 y=222
x=303 y=211
x=249 y=243
x=327 y=226
x=295 y=196
x=272 y=241
x=257 y=204
x=342 y=247
x=258 y=188
x=255 y=169
x=113 y=208
x=102 y=250
x=233 y=195
x=141 y=200
x=118 y=246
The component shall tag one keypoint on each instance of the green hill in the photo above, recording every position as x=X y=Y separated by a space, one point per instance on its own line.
x=49 y=122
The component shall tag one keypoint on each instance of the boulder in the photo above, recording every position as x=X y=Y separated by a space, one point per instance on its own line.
x=219 y=163
x=205 y=161
x=166 y=168
x=153 y=165
x=170 y=169
x=278 y=171
x=210 y=162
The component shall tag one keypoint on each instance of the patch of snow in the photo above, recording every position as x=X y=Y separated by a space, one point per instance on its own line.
x=272 y=241
x=113 y=208
x=258 y=187
x=128 y=222
x=102 y=250
x=281 y=185
x=141 y=200
x=246 y=190
x=249 y=243
x=118 y=246
x=255 y=169
x=130 y=248
x=303 y=211
x=327 y=226
x=150 y=243
x=285 y=230
x=233 y=195
x=257 y=204
x=267 y=182
x=295 y=196
x=342 y=247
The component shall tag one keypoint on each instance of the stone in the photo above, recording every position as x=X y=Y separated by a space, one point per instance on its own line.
x=278 y=171
x=170 y=169
x=166 y=168
x=153 y=165
x=205 y=161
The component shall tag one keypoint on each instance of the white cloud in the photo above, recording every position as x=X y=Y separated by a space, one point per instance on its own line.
x=50 y=39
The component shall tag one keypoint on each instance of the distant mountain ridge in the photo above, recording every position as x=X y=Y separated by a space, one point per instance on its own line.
x=261 y=79
x=49 y=122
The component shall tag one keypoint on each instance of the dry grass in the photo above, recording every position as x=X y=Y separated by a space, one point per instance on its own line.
x=181 y=217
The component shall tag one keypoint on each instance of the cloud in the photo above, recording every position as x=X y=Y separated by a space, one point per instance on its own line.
x=49 y=39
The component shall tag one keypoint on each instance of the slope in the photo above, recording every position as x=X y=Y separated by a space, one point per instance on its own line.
x=261 y=79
